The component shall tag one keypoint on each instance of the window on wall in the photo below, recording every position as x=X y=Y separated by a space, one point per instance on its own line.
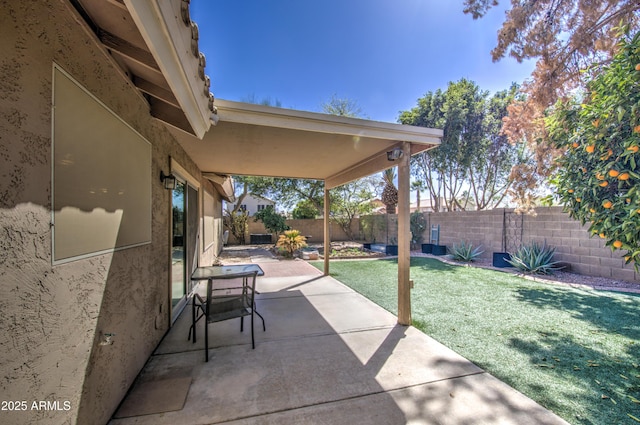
x=261 y=207
x=101 y=176
x=243 y=207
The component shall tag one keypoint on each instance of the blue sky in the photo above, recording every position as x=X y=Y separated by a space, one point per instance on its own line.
x=382 y=54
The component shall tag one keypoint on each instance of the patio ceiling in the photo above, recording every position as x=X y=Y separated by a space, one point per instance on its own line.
x=275 y=142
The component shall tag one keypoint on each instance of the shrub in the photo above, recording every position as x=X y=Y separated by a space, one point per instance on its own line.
x=273 y=222
x=290 y=241
x=465 y=252
x=417 y=224
x=534 y=259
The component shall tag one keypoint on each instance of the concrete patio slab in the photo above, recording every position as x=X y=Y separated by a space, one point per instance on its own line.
x=328 y=356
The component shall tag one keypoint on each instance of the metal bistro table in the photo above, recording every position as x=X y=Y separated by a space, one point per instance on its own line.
x=210 y=274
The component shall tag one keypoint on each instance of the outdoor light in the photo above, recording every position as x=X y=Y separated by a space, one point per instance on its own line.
x=169 y=181
x=394 y=154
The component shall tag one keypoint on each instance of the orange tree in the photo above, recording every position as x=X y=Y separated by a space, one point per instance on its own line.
x=598 y=178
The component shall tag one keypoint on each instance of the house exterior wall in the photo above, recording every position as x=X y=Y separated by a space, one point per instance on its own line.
x=252 y=203
x=52 y=318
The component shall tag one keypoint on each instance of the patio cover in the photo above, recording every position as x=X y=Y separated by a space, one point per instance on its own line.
x=275 y=142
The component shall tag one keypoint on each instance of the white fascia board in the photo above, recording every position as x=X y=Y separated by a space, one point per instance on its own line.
x=165 y=33
x=247 y=113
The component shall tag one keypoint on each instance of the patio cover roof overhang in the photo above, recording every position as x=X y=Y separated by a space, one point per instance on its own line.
x=267 y=141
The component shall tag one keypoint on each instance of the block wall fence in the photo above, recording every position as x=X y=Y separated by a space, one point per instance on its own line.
x=586 y=255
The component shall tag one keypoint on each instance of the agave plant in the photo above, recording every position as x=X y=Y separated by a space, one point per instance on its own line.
x=535 y=259
x=465 y=252
x=290 y=241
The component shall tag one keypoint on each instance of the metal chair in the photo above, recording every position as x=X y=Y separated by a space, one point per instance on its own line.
x=224 y=303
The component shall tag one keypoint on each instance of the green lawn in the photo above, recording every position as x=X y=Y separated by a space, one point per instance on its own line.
x=576 y=352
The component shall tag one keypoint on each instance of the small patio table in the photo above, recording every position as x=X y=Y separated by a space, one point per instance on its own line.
x=210 y=274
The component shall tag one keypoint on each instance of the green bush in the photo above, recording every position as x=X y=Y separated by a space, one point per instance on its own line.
x=465 y=252
x=534 y=258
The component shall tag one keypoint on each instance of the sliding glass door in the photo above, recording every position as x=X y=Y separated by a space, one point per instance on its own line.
x=178 y=252
x=184 y=243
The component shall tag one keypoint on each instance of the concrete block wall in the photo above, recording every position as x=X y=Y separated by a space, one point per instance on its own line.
x=308 y=227
x=587 y=255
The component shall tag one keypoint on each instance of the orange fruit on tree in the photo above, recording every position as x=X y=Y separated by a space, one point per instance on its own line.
x=580 y=200
x=614 y=173
x=617 y=244
x=570 y=190
x=633 y=149
x=590 y=148
x=638 y=67
x=636 y=129
x=624 y=176
x=575 y=144
x=602 y=235
x=596 y=122
x=591 y=210
x=607 y=155
x=607 y=204
x=604 y=184
x=599 y=176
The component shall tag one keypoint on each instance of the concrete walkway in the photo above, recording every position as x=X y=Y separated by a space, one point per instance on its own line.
x=328 y=356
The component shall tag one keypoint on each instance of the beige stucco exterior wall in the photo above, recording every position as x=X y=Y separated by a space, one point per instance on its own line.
x=52 y=318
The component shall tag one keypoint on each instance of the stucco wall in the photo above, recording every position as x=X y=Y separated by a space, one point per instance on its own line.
x=52 y=318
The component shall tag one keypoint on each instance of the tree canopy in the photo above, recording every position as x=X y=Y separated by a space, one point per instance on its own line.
x=566 y=37
x=474 y=160
x=598 y=178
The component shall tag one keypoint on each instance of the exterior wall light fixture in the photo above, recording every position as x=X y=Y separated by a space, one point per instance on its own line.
x=169 y=181
x=394 y=154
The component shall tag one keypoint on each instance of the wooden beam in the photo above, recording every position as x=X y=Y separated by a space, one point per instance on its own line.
x=170 y=114
x=127 y=49
x=155 y=91
x=327 y=235
x=404 y=238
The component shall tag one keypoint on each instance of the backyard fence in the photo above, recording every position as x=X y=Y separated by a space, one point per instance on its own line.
x=502 y=230
x=496 y=230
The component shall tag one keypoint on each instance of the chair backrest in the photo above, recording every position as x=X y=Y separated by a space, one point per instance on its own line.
x=230 y=301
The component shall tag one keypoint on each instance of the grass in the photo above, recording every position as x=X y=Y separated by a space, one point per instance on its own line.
x=576 y=352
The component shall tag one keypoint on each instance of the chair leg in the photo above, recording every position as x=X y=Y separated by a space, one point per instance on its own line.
x=264 y=328
x=253 y=342
x=242 y=324
x=206 y=341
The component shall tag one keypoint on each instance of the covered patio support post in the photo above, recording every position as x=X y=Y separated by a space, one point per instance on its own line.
x=404 y=238
x=327 y=236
